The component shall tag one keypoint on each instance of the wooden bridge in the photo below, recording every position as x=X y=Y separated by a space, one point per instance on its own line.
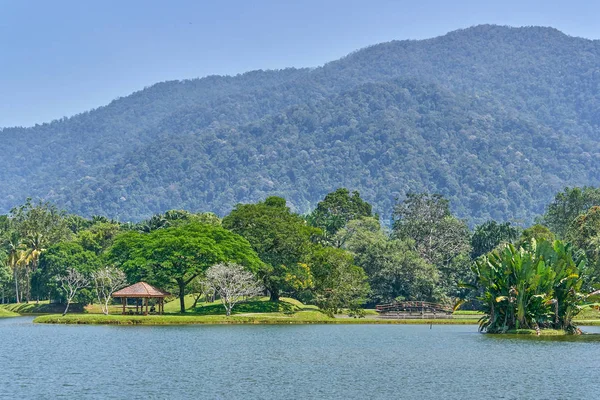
x=413 y=310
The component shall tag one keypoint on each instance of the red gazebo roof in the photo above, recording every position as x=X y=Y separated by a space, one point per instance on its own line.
x=140 y=290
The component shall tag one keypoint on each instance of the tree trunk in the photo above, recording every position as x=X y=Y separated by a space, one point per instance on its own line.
x=181 y=284
x=274 y=295
x=196 y=300
x=16 y=286
x=67 y=308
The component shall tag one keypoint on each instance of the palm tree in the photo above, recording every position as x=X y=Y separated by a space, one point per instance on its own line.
x=33 y=247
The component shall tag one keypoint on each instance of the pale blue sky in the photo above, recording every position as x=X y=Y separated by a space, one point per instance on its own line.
x=62 y=57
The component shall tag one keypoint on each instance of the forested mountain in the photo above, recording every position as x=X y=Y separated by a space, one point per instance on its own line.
x=497 y=119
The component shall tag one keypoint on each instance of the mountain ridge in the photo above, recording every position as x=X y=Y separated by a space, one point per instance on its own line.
x=536 y=80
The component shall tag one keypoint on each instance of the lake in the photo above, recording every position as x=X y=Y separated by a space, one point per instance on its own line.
x=289 y=362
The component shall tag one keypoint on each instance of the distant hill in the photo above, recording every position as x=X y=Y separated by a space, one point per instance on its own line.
x=496 y=118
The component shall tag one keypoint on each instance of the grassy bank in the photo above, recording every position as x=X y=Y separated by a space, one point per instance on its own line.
x=6 y=313
x=301 y=317
x=42 y=307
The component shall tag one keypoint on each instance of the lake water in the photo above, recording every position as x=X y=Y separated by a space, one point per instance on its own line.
x=289 y=362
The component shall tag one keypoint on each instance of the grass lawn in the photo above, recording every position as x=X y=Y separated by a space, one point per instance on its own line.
x=42 y=307
x=6 y=313
x=300 y=317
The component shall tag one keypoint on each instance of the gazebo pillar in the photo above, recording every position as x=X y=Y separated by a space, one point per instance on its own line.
x=124 y=301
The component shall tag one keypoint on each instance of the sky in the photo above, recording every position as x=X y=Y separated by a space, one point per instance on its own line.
x=62 y=57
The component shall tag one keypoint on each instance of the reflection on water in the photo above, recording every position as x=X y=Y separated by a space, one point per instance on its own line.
x=290 y=362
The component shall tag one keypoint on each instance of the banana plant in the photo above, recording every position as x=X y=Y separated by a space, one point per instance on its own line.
x=534 y=286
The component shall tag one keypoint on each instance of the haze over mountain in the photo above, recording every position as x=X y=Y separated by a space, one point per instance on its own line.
x=495 y=118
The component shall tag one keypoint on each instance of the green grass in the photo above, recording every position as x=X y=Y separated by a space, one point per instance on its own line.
x=43 y=307
x=6 y=313
x=468 y=312
x=301 y=317
x=258 y=305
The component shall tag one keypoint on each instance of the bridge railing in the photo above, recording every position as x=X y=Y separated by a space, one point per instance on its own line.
x=413 y=306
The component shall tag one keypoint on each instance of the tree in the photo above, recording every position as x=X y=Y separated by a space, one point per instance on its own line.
x=39 y=225
x=56 y=262
x=5 y=277
x=178 y=254
x=108 y=280
x=281 y=239
x=71 y=283
x=441 y=239
x=336 y=209
x=395 y=270
x=489 y=235
x=538 y=232
x=568 y=205
x=426 y=219
x=12 y=243
x=338 y=283
x=233 y=283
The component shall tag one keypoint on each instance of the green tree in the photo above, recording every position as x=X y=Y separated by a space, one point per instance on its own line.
x=489 y=235
x=426 y=219
x=395 y=270
x=56 y=262
x=336 y=209
x=441 y=239
x=178 y=254
x=5 y=278
x=281 y=239
x=40 y=225
x=538 y=232
x=338 y=283
x=568 y=205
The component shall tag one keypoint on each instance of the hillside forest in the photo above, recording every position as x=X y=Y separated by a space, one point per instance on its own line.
x=495 y=119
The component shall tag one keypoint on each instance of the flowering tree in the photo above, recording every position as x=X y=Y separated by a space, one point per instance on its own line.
x=233 y=283
x=107 y=281
x=71 y=283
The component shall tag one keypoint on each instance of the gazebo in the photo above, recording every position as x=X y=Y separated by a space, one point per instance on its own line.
x=144 y=291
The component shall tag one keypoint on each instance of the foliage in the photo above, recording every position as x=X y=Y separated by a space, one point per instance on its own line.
x=496 y=119
x=568 y=205
x=336 y=210
x=233 y=283
x=394 y=268
x=70 y=283
x=281 y=239
x=338 y=283
x=532 y=287
x=538 y=232
x=56 y=262
x=107 y=280
x=489 y=235
x=426 y=219
x=439 y=238
x=178 y=254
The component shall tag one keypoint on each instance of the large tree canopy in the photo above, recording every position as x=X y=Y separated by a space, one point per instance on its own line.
x=568 y=205
x=179 y=254
x=336 y=209
x=489 y=235
x=281 y=238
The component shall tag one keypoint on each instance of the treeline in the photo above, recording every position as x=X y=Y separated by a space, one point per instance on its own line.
x=339 y=256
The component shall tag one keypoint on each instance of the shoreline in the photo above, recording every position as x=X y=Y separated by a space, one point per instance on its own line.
x=259 y=319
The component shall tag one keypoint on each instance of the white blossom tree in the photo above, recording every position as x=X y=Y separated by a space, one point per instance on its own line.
x=71 y=283
x=108 y=280
x=233 y=283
